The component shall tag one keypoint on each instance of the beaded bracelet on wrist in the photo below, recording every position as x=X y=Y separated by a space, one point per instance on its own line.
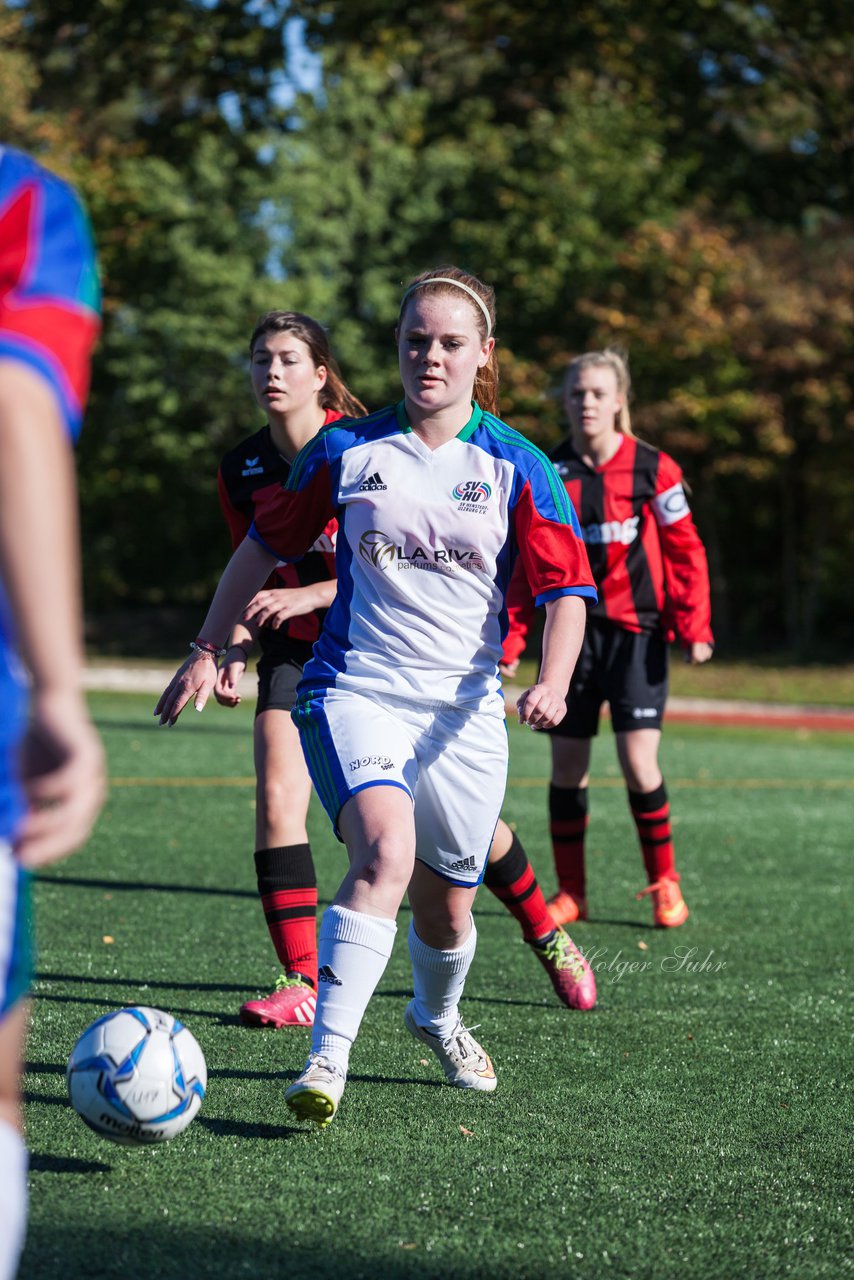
x=209 y=650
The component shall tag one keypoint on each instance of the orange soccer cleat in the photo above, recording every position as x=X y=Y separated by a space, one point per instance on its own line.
x=668 y=905
x=565 y=907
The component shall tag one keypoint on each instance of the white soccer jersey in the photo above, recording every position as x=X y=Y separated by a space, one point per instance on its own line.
x=427 y=539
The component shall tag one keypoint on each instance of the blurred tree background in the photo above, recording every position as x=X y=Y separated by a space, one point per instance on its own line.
x=674 y=176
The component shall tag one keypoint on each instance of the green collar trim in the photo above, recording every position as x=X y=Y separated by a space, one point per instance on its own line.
x=465 y=434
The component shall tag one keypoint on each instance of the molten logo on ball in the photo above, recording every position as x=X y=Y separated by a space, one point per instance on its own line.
x=137 y=1076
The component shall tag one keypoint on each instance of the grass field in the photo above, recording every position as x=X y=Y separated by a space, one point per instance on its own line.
x=692 y=1125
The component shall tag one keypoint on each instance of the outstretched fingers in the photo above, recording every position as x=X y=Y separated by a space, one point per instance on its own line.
x=194 y=680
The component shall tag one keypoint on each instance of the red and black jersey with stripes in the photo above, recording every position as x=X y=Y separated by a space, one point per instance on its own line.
x=646 y=555
x=250 y=475
x=647 y=558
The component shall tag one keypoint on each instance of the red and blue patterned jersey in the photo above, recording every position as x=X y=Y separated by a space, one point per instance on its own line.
x=250 y=475
x=49 y=294
x=427 y=539
x=49 y=320
x=645 y=552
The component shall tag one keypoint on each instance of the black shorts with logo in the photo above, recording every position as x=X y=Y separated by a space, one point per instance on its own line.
x=280 y=671
x=626 y=669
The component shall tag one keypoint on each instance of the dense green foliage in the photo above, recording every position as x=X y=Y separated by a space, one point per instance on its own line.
x=688 y=1127
x=673 y=177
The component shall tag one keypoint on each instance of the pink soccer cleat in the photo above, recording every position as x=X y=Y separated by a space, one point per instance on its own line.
x=291 y=1004
x=570 y=974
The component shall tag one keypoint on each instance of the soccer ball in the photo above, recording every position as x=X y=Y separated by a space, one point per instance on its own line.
x=136 y=1076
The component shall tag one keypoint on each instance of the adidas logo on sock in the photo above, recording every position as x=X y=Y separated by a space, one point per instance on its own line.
x=464 y=864
x=327 y=974
x=372 y=483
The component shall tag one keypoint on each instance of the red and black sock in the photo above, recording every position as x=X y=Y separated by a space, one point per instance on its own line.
x=651 y=812
x=568 y=819
x=288 y=887
x=513 y=882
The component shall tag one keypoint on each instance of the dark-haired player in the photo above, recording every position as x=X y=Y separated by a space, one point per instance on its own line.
x=297 y=384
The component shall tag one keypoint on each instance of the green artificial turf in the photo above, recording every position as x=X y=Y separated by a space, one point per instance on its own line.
x=691 y=1126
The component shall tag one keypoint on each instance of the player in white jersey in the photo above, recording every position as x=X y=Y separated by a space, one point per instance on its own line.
x=400 y=710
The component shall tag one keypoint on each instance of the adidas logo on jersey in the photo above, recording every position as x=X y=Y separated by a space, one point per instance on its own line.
x=372 y=483
x=327 y=974
x=464 y=864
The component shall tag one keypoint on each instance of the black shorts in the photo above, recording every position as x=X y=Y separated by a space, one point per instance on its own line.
x=280 y=671
x=626 y=669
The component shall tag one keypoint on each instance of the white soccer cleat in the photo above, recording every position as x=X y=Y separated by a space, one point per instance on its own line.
x=315 y=1094
x=465 y=1064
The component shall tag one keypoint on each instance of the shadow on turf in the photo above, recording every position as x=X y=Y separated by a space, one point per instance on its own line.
x=105 y=724
x=63 y=1164
x=89 y=981
x=81 y=882
x=45 y=1099
x=44 y=998
x=242 y=1129
x=591 y=920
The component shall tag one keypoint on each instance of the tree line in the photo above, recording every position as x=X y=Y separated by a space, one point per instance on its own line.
x=674 y=177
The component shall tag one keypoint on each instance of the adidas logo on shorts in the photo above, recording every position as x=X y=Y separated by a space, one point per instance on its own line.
x=464 y=864
x=327 y=974
x=372 y=483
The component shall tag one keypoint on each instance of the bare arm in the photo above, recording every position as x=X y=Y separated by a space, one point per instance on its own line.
x=62 y=765
x=544 y=705
x=246 y=572
x=272 y=608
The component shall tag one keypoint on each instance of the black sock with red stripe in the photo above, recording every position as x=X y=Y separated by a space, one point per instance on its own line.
x=568 y=819
x=288 y=887
x=651 y=812
x=513 y=882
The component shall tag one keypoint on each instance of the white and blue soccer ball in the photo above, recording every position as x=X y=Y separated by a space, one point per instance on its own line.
x=137 y=1076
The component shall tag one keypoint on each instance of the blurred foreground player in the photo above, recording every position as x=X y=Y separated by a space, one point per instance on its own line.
x=51 y=762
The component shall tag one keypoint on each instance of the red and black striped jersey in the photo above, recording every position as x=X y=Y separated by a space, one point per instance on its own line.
x=646 y=555
x=249 y=475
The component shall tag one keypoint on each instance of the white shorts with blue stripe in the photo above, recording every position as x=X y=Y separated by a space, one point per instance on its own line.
x=450 y=761
x=15 y=942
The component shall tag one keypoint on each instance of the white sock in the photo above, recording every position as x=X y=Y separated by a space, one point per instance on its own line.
x=352 y=953
x=438 y=978
x=13 y=1199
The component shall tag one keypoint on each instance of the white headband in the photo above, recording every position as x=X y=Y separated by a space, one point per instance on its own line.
x=459 y=285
